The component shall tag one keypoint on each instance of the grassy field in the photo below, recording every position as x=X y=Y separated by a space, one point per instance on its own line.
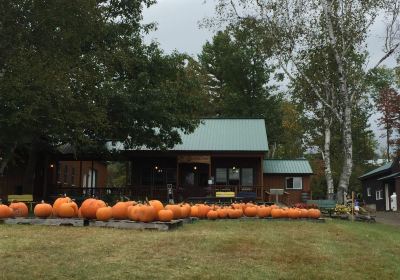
x=204 y=250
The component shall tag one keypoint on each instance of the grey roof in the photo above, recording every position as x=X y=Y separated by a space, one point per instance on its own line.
x=393 y=175
x=280 y=166
x=382 y=168
x=222 y=135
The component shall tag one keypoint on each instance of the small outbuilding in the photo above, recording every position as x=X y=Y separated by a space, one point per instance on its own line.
x=380 y=183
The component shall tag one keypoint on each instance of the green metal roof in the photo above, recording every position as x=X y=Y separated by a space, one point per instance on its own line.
x=382 y=168
x=280 y=166
x=394 y=175
x=222 y=135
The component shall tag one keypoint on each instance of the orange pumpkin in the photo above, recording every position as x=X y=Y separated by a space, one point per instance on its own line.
x=212 y=215
x=185 y=210
x=89 y=207
x=19 y=209
x=120 y=211
x=203 y=210
x=165 y=215
x=157 y=205
x=194 y=211
x=5 y=212
x=222 y=213
x=132 y=212
x=293 y=213
x=104 y=214
x=314 y=213
x=250 y=211
x=58 y=202
x=66 y=210
x=147 y=213
x=303 y=213
x=263 y=212
x=176 y=210
x=277 y=213
x=43 y=210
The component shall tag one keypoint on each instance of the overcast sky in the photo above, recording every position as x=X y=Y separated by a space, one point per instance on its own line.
x=178 y=29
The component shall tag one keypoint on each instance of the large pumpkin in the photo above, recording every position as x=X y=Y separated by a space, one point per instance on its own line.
x=67 y=210
x=147 y=213
x=185 y=210
x=43 y=210
x=303 y=213
x=250 y=211
x=58 y=202
x=104 y=214
x=89 y=207
x=176 y=210
x=203 y=210
x=5 y=212
x=19 y=209
x=157 y=205
x=212 y=215
x=165 y=215
x=120 y=211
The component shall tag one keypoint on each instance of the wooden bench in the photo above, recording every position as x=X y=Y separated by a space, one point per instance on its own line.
x=27 y=198
x=327 y=205
x=224 y=194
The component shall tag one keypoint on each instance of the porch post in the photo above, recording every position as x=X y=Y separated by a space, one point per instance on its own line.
x=80 y=176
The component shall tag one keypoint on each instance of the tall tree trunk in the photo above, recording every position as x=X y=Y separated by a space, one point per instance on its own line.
x=387 y=144
x=6 y=158
x=347 y=155
x=327 y=158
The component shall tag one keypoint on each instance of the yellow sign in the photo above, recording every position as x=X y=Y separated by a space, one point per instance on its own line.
x=194 y=159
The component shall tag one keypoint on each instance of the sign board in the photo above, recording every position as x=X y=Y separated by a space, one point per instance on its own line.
x=276 y=192
x=194 y=159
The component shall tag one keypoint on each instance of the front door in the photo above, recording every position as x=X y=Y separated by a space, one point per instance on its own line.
x=387 y=198
x=193 y=179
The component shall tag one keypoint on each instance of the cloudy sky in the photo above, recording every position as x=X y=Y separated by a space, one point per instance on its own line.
x=178 y=29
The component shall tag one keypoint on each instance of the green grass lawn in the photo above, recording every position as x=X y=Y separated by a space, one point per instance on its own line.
x=204 y=250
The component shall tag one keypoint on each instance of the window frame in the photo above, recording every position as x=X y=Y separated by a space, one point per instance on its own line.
x=293 y=188
x=380 y=196
x=369 y=193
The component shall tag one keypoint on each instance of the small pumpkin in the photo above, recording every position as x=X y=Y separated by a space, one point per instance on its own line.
x=277 y=213
x=165 y=215
x=222 y=213
x=194 y=211
x=314 y=213
x=66 y=210
x=104 y=214
x=263 y=212
x=19 y=209
x=176 y=210
x=203 y=210
x=212 y=215
x=43 y=210
x=303 y=213
x=5 y=212
x=185 y=210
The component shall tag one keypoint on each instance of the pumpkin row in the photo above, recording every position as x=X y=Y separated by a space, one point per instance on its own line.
x=152 y=210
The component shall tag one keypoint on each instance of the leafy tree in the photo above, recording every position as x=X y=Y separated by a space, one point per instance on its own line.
x=239 y=76
x=336 y=30
x=78 y=72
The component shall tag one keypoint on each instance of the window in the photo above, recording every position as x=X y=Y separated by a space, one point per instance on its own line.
x=295 y=183
x=234 y=176
x=379 y=194
x=368 y=191
x=171 y=176
x=159 y=177
x=220 y=176
x=247 y=176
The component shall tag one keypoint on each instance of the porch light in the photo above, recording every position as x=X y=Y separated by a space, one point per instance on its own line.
x=195 y=168
x=234 y=167
x=51 y=165
x=156 y=167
